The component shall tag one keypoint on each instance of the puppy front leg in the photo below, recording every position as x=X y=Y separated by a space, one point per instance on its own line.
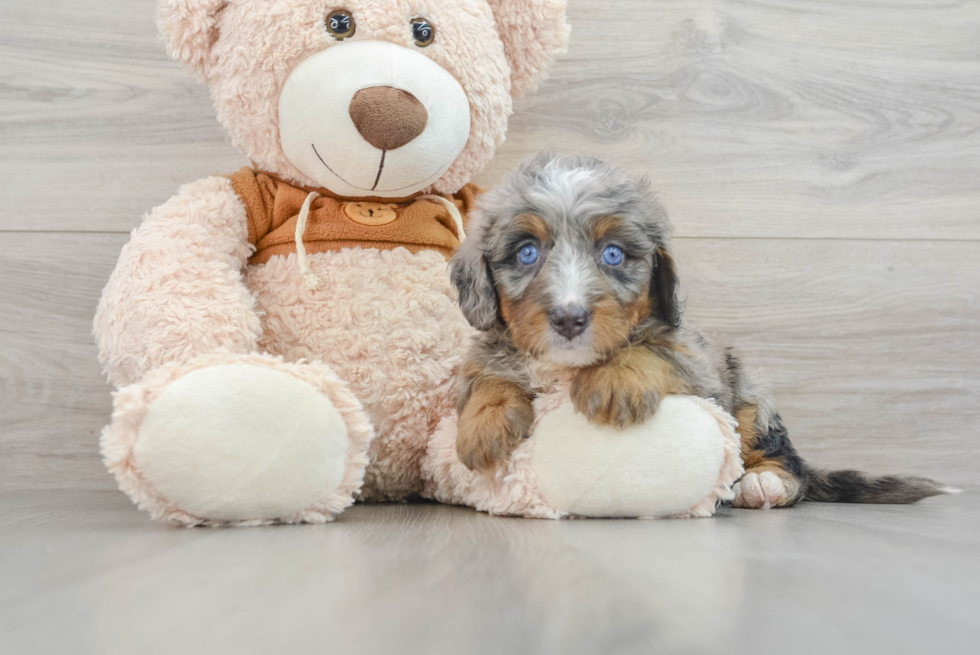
x=626 y=389
x=494 y=419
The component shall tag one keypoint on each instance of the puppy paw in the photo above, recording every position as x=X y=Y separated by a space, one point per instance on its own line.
x=761 y=490
x=495 y=420
x=624 y=391
x=620 y=406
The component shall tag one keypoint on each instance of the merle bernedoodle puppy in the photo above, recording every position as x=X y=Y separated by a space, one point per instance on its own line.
x=568 y=268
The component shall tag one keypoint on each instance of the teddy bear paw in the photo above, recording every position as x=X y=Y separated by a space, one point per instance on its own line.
x=239 y=442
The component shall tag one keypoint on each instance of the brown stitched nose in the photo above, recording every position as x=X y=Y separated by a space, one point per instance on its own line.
x=387 y=117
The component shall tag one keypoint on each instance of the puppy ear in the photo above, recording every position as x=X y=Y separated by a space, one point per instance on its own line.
x=533 y=32
x=470 y=274
x=190 y=28
x=663 y=288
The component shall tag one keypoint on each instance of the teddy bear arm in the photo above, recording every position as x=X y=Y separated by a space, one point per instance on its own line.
x=177 y=290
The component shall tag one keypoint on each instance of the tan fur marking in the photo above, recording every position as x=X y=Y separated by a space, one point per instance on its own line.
x=602 y=226
x=753 y=456
x=640 y=308
x=471 y=369
x=626 y=389
x=527 y=320
x=610 y=326
x=746 y=427
x=532 y=224
x=496 y=417
x=506 y=306
x=756 y=461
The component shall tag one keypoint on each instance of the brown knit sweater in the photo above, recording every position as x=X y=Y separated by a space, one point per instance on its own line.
x=273 y=207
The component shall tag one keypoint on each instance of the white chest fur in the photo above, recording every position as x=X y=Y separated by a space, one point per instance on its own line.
x=546 y=377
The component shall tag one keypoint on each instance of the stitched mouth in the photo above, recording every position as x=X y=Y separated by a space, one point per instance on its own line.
x=380 y=168
x=313 y=145
x=377 y=179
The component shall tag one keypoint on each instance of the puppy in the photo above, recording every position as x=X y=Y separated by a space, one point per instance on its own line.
x=568 y=271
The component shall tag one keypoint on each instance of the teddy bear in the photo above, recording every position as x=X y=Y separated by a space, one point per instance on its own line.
x=284 y=338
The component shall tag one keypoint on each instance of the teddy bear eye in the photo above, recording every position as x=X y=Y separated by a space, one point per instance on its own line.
x=423 y=32
x=341 y=24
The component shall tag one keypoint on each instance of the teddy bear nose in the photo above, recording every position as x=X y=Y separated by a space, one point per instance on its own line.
x=387 y=117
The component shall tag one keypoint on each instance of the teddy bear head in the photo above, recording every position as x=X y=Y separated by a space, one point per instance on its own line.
x=367 y=98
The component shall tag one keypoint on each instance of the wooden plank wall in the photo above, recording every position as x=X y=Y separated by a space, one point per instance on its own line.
x=821 y=161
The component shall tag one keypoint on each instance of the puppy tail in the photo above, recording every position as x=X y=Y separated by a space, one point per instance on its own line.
x=850 y=486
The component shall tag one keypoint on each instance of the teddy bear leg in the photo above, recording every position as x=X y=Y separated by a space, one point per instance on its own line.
x=239 y=439
x=510 y=490
x=681 y=463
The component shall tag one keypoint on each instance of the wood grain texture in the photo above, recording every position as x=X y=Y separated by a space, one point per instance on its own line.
x=786 y=118
x=871 y=348
x=97 y=124
x=55 y=399
x=86 y=572
x=793 y=118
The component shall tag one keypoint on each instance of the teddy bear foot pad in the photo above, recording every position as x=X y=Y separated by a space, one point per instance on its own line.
x=681 y=464
x=239 y=442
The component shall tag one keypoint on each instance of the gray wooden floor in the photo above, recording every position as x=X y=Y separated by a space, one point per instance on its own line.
x=821 y=161
x=83 y=572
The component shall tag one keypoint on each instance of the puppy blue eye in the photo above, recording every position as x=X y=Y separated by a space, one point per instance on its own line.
x=528 y=255
x=612 y=255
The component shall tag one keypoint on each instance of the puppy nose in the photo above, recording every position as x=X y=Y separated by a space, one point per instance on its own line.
x=387 y=117
x=569 y=322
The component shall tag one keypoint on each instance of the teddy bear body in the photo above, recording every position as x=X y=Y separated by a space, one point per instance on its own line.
x=388 y=324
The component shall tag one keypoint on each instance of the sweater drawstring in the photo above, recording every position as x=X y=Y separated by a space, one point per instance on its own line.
x=453 y=211
x=312 y=281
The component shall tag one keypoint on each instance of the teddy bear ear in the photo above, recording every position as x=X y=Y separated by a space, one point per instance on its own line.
x=533 y=32
x=190 y=28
